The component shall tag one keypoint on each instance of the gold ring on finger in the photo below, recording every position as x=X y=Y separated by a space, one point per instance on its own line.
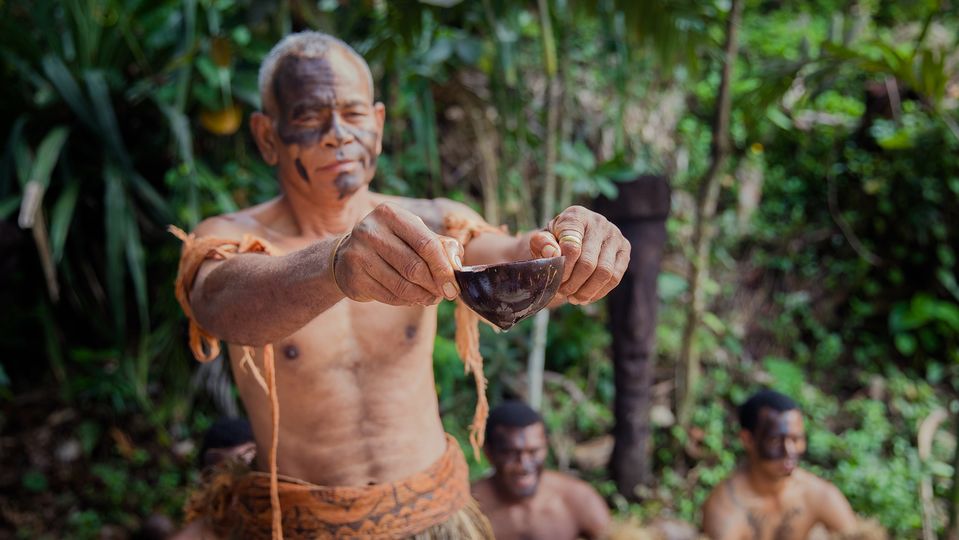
x=571 y=238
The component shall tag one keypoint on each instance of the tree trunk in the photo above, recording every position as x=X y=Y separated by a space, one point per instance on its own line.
x=953 y=502
x=537 y=354
x=640 y=212
x=706 y=200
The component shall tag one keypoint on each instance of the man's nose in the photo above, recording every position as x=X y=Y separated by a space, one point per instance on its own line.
x=791 y=447
x=337 y=134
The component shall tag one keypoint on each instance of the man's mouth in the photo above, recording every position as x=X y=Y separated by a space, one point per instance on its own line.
x=526 y=480
x=340 y=166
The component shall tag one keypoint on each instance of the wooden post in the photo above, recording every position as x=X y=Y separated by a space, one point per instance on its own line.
x=640 y=212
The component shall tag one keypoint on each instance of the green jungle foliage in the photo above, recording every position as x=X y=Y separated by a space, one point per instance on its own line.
x=837 y=284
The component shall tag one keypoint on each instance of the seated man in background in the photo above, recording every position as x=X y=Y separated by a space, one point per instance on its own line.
x=227 y=439
x=770 y=497
x=522 y=500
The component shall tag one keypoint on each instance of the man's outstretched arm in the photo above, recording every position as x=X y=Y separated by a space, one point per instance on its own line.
x=252 y=299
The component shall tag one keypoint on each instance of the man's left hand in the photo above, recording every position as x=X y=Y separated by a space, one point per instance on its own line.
x=596 y=253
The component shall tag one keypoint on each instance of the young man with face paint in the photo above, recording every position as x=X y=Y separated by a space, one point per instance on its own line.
x=770 y=497
x=521 y=499
x=346 y=296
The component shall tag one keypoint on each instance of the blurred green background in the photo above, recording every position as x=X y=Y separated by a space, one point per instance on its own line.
x=830 y=240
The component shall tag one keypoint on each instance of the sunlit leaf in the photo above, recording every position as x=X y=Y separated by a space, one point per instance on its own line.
x=47 y=155
x=61 y=217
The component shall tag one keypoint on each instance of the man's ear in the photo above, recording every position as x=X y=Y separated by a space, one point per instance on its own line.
x=747 y=439
x=261 y=126
x=379 y=111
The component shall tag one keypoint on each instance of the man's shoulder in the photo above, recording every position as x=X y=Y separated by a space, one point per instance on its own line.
x=574 y=491
x=723 y=495
x=235 y=225
x=482 y=490
x=723 y=515
x=816 y=488
x=812 y=482
x=431 y=211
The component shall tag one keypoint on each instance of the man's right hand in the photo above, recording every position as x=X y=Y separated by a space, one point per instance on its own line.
x=392 y=257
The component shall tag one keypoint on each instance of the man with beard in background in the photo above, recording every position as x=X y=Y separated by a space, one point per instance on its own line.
x=521 y=500
x=771 y=497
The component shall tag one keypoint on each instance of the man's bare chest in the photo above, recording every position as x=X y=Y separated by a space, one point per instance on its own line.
x=792 y=522
x=550 y=522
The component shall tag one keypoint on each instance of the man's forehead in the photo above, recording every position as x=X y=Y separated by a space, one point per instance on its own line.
x=791 y=419
x=515 y=436
x=337 y=69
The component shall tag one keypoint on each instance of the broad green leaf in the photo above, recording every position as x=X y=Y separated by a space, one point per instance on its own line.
x=61 y=217
x=47 y=155
x=905 y=344
x=787 y=377
x=714 y=323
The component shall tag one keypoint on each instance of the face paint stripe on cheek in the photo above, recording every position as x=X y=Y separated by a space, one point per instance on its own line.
x=302 y=170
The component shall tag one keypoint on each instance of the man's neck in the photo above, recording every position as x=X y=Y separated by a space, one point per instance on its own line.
x=763 y=485
x=325 y=217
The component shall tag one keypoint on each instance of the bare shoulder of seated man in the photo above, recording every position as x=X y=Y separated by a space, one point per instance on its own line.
x=521 y=499
x=770 y=496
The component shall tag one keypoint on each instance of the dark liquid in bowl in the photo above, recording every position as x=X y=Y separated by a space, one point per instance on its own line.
x=505 y=294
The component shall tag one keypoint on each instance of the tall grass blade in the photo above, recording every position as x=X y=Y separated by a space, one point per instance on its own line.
x=115 y=222
x=69 y=90
x=62 y=216
x=47 y=155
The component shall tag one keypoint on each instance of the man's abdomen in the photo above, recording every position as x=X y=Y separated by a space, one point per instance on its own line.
x=356 y=394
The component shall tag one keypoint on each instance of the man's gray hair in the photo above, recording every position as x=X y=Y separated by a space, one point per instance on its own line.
x=308 y=44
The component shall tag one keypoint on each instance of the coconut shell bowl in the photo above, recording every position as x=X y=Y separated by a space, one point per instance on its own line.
x=506 y=293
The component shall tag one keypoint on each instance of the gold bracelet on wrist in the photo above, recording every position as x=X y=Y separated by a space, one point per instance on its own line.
x=333 y=252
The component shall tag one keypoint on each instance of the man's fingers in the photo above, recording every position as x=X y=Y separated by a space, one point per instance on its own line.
x=387 y=285
x=406 y=262
x=544 y=244
x=585 y=264
x=427 y=245
x=622 y=264
x=569 y=228
x=602 y=274
x=454 y=251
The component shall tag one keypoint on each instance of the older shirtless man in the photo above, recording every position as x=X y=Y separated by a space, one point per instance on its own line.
x=523 y=501
x=340 y=285
x=771 y=497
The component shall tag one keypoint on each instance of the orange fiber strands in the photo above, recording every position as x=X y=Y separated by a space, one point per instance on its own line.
x=467 y=330
x=205 y=346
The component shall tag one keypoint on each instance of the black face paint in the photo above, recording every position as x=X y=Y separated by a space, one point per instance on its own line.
x=310 y=112
x=771 y=435
x=302 y=170
x=410 y=331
